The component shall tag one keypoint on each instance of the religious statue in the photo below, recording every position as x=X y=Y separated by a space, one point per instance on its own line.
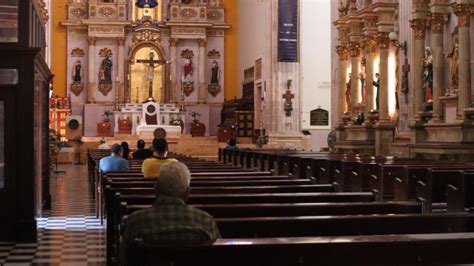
x=151 y=64
x=188 y=70
x=454 y=65
x=106 y=67
x=348 y=94
x=77 y=72
x=362 y=80
x=214 y=88
x=76 y=86
x=214 y=73
x=187 y=79
x=376 y=84
x=146 y=3
x=105 y=76
x=343 y=8
x=428 y=74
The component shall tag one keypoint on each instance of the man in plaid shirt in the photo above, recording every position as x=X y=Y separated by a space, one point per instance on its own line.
x=170 y=220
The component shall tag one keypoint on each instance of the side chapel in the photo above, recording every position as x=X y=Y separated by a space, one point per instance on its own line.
x=122 y=54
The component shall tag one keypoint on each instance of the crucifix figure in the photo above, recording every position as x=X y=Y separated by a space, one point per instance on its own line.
x=152 y=64
x=288 y=96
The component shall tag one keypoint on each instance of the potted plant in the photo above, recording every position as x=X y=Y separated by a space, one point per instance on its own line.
x=198 y=129
x=105 y=127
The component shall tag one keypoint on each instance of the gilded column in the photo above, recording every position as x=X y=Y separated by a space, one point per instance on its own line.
x=354 y=52
x=384 y=44
x=120 y=68
x=91 y=71
x=202 y=71
x=342 y=75
x=437 y=25
x=370 y=47
x=173 y=74
x=463 y=12
x=419 y=30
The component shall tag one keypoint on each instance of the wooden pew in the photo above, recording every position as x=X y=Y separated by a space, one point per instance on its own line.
x=414 y=249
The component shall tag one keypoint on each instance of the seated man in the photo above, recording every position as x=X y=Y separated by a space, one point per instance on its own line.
x=151 y=166
x=141 y=153
x=114 y=162
x=170 y=219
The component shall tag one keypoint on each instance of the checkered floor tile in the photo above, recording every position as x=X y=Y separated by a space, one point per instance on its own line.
x=69 y=234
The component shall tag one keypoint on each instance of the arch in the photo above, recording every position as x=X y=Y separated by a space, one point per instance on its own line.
x=136 y=47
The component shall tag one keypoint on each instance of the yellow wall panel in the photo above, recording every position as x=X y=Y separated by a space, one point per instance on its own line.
x=230 y=43
x=59 y=46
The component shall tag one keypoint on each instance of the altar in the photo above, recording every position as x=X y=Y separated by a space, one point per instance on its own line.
x=144 y=118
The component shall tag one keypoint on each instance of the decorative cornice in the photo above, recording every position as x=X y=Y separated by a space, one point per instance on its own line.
x=343 y=52
x=91 y=40
x=437 y=21
x=419 y=28
x=202 y=42
x=120 y=41
x=104 y=52
x=187 y=53
x=173 y=42
x=463 y=12
x=354 y=49
x=369 y=44
x=77 y=52
x=382 y=40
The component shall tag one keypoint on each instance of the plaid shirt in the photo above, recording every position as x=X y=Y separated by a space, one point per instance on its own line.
x=169 y=219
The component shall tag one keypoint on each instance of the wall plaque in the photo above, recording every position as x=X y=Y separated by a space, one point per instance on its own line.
x=319 y=117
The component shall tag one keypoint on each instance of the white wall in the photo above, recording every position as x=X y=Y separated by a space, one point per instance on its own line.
x=252 y=22
x=315 y=56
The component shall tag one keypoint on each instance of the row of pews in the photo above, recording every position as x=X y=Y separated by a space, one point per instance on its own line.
x=291 y=207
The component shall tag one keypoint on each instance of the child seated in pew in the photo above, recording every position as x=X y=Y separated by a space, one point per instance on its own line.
x=170 y=220
x=114 y=162
x=151 y=166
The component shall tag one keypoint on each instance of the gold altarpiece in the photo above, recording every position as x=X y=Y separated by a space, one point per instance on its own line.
x=146 y=39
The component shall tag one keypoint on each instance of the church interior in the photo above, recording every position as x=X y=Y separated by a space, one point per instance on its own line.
x=353 y=122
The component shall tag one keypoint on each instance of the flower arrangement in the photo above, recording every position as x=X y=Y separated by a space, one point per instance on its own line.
x=106 y=116
x=195 y=116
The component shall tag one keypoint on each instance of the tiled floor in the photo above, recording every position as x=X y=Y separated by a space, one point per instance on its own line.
x=67 y=235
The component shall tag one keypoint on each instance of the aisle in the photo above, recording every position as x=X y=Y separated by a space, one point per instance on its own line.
x=67 y=235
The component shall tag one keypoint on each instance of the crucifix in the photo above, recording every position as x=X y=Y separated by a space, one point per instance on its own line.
x=288 y=96
x=152 y=64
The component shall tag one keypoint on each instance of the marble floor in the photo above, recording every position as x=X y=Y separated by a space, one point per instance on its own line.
x=69 y=234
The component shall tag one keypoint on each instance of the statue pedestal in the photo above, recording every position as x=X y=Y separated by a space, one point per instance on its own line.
x=448 y=141
x=384 y=134
x=359 y=139
x=450 y=104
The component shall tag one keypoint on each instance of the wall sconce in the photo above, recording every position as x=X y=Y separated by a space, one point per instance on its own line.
x=393 y=36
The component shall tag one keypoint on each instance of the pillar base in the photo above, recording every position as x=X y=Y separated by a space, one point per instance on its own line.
x=418 y=133
x=384 y=134
x=456 y=132
x=282 y=141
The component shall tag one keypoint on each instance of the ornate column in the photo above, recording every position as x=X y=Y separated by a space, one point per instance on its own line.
x=202 y=71
x=173 y=74
x=384 y=44
x=463 y=12
x=354 y=51
x=370 y=47
x=342 y=74
x=437 y=21
x=91 y=73
x=120 y=68
x=419 y=31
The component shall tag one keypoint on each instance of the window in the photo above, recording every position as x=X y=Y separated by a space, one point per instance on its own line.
x=9 y=21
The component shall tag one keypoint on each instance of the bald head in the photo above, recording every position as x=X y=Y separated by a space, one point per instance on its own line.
x=174 y=181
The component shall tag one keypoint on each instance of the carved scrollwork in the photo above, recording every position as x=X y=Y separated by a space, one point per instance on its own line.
x=214 y=54
x=382 y=40
x=106 y=11
x=187 y=53
x=104 y=52
x=188 y=13
x=342 y=52
x=419 y=28
x=354 y=49
x=437 y=21
x=369 y=44
x=214 y=15
x=77 y=52
x=77 y=13
x=463 y=12
x=146 y=36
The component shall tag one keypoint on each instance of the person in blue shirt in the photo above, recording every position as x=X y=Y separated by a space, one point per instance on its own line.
x=114 y=162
